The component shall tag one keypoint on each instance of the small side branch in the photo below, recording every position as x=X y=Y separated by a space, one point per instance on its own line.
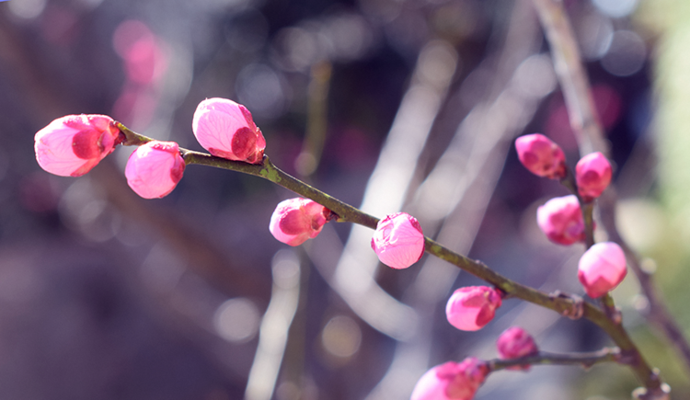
x=584 y=360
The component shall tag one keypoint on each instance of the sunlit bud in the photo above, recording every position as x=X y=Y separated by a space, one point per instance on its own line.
x=72 y=145
x=515 y=342
x=593 y=175
x=541 y=156
x=154 y=169
x=451 y=381
x=601 y=268
x=296 y=220
x=398 y=240
x=472 y=307
x=561 y=220
x=226 y=129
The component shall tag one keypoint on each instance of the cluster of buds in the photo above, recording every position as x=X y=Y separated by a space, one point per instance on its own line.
x=74 y=144
x=460 y=381
x=603 y=265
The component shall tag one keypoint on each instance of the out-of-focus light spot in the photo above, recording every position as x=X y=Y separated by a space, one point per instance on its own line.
x=91 y=3
x=81 y=203
x=616 y=8
x=437 y=63
x=535 y=76
x=341 y=336
x=237 y=320
x=19 y=282
x=640 y=303
x=349 y=35
x=260 y=89
x=626 y=55
x=286 y=269
x=475 y=86
x=39 y=193
x=641 y=223
x=162 y=269
x=299 y=48
x=648 y=265
x=59 y=25
x=248 y=32
x=83 y=208
x=595 y=33
x=140 y=50
x=217 y=5
x=28 y=9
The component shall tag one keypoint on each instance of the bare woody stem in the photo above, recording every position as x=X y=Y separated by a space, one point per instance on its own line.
x=589 y=134
x=571 y=306
x=585 y=360
x=565 y=305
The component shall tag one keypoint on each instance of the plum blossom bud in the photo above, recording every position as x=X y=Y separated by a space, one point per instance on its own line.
x=472 y=307
x=515 y=342
x=561 y=220
x=398 y=240
x=296 y=220
x=601 y=268
x=541 y=156
x=154 y=169
x=593 y=175
x=451 y=381
x=72 y=145
x=226 y=129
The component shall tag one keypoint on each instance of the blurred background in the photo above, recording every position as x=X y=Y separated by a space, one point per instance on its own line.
x=385 y=104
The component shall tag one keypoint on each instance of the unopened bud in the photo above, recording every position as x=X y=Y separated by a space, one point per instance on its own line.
x=451 y=381
x=593 y=175
x=472 y=307
x=226 y=129
x=154 y=169
x=515 y=342
x=561 y=220
x=398 y=240
x=541 y=156
x=72 y=145
x=601 y=268
x=296 y=220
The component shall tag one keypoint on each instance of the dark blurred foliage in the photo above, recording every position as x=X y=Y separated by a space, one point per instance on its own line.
x=106 y=295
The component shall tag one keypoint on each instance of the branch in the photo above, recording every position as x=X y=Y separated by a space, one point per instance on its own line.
x=585 y=360
x=570 y=306
x=590 y=137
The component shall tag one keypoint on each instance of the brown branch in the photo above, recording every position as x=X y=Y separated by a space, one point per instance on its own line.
x=589 y=134
x=585 y=360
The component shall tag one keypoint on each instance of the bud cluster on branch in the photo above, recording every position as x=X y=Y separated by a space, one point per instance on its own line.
x=73 y=145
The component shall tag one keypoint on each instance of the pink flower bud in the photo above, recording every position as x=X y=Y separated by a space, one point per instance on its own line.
x=515 y=342
x=296 y=220
x=472 y=307
x=226 y=129
x=601 y=268
x=72 y=145
x=561 y=220
x=451 y=381
x=593 y=175
x=398 y=240
x=541 y=156
x=154 y=169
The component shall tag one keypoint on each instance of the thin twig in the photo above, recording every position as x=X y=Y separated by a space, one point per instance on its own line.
x=564 y=305
x=585 y=360
x=590 y=137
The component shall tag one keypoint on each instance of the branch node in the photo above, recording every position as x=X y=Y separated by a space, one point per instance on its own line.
x=576 y=305
x=663 y=392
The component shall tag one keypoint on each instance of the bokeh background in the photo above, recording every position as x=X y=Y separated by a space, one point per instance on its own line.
x=387 y=104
